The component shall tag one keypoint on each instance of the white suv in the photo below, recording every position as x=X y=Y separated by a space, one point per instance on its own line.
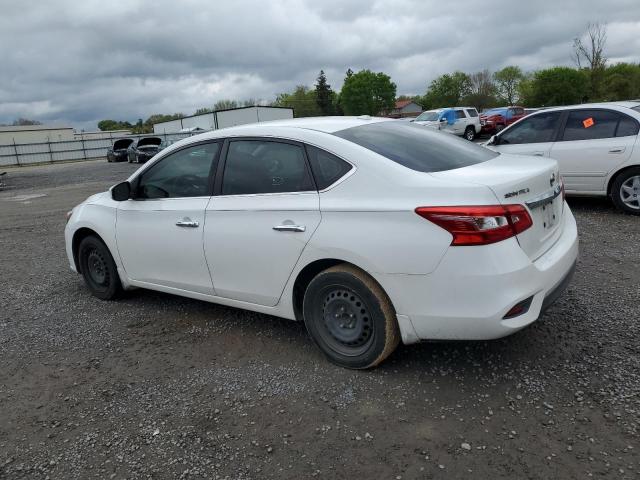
x=463 y=121
x=596 y=146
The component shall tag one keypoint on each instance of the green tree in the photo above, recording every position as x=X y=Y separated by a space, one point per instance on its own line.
x=203 y=110
x=325 y=97
x=447 y=90
x=225 y=104
x=558 y=86
x=302 y=100
x=108 y=125
x=367 y=93
x=482 y=90
x=507 y=83
x=622 y=82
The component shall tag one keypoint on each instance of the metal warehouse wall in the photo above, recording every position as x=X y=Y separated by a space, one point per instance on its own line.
x=49 y=152
x=22 y=135
x=224 y=118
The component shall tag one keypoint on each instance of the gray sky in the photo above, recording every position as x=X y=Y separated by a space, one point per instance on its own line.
x=80 y=61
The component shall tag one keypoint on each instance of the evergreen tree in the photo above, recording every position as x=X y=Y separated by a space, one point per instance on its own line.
x=324 y=95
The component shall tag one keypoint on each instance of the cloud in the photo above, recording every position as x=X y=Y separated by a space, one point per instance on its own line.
x=81 y=61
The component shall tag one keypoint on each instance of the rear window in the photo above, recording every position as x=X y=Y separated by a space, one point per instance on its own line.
x=417 y=147
x=472 y=112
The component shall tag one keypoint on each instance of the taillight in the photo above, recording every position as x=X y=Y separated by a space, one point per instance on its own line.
x=479 y=225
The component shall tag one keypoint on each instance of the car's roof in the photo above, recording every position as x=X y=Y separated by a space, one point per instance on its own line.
x=623 y=104
x=321 y=124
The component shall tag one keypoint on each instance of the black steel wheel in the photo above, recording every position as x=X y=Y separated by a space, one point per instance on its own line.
x=98 y=268
x=350 y=317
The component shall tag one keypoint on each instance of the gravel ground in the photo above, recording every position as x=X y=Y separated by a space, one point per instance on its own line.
x=158 y=386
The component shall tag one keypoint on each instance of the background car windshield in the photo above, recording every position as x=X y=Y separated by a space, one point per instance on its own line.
x=496 y=111
x=417 y=147
x=427 y=117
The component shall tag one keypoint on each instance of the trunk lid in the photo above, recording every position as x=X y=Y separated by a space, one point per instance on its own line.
x=530 y=181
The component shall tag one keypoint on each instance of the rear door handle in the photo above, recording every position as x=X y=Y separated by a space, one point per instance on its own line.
x=538 y=154
x=187 y=224
x=290 y=228
x=617 y=150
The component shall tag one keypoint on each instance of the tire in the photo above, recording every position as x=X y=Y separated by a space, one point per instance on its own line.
x=350 y=317
x=625 y=191
x=98 y=268
x=470 y=134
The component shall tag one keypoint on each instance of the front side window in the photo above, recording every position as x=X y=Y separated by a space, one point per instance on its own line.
x=590 y=125
x=184 y=173
x=327 y=168
x=538 y=128
x=416 y=147
x=258 y=166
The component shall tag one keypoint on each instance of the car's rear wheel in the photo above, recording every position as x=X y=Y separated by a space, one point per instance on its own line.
x=350 y=317
x=625 y=191
x=470 y=134
x=98 y=268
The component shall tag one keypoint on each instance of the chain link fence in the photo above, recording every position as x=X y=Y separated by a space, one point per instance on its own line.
x=17 y=154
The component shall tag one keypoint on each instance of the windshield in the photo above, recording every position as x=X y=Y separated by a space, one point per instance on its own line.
x=495 y=111
x=427 y=117
x=416 y=147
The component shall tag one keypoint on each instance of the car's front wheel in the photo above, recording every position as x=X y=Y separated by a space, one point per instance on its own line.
x=98 y=268
x=350 y=317
x=470 y=134
x=625 y=191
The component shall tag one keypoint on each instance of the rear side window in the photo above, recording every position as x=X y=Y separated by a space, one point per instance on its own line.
x=590 y=125
x=256 y=166
x=538 y=128
x=460 y=114
x=627 y=127
x=417 y=147
x=472 y=112
x=327 y=168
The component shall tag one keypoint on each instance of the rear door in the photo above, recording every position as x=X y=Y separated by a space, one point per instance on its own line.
x=534 y=135
x=263 y=213
x=461 y=122
x=593 y=143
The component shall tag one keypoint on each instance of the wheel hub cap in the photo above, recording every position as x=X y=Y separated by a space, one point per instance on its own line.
x=630 y=192
x=346 y=318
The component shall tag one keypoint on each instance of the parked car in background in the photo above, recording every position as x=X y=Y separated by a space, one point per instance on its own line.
x=144 y=148
x=119 y=150
x=497 y=119
x=286 y=218
x=596 y=146
x=462 y=121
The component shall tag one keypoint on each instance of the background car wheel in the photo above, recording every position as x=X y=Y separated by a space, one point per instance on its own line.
x=350 y=317
x=98 y=268
x=470 y=134
x=625 y=191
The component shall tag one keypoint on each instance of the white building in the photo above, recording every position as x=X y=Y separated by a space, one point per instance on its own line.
x=223 y=118
x=34 y=134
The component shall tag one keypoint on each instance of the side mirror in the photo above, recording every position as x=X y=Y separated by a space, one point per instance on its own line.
x=494 y=140
x=443 y=120
x=121 y=192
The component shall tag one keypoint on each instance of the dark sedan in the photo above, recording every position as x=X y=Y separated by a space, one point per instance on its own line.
x=144 y=149
x=118 y=152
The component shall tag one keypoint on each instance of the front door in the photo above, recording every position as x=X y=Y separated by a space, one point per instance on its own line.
x=260 y=220
x=159 y=231
x=593 y=143
x=532 y=136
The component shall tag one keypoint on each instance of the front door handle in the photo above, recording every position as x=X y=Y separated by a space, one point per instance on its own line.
x=186 y=223
x=290 y=228
x=617 y=150
x=538 y=154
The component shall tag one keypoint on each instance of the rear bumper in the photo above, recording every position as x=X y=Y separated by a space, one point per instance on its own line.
x=468 y=295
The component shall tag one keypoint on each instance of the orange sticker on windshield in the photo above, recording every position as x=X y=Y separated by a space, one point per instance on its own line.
x=588 y=122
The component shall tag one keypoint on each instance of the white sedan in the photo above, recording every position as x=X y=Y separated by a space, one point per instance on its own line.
x=596 y=145
x=371 y=231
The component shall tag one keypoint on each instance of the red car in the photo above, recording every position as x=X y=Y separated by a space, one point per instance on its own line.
x=496 y=119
